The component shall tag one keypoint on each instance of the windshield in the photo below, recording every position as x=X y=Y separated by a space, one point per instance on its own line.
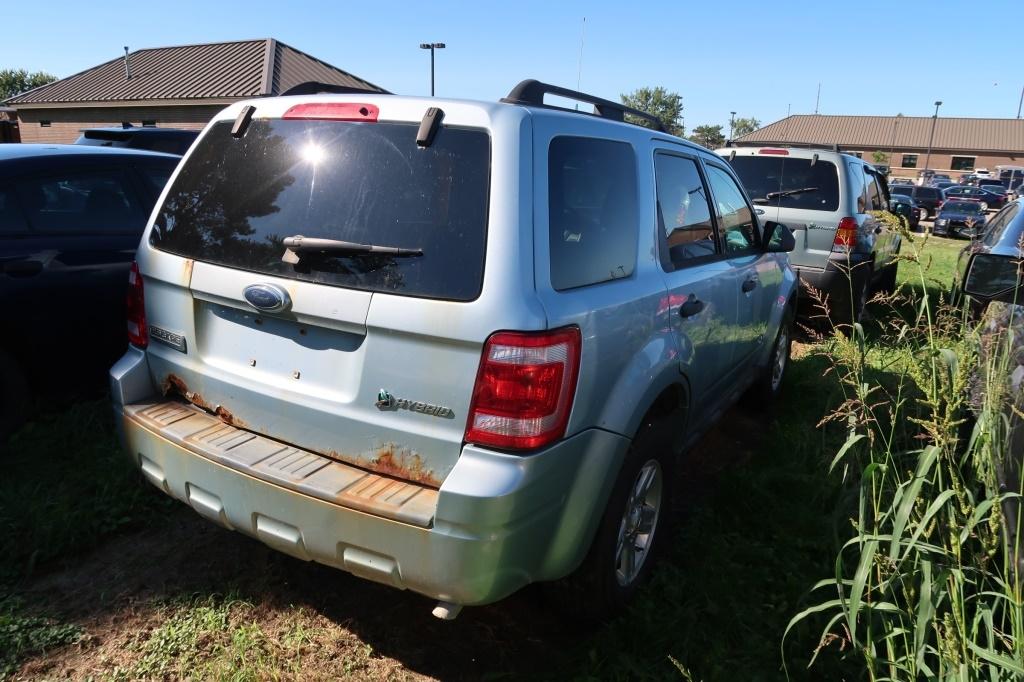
x=763 y=175
x=962 y=207
x=236 y=200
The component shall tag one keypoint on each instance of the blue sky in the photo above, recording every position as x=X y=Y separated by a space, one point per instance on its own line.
x=755 y=58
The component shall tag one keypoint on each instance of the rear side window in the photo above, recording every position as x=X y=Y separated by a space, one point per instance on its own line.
x=684 y=215
x=12 y=220
x=87 y=202
x=591 y=211
x=237 y=199
x=818 y=183
x=927 y=192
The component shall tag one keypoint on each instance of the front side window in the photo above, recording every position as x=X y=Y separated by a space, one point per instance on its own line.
x=592 y=211
x=739 y=233
x=962 y=163
x=684 y=215
x=909 y=161
x=86 y=202
x=997 y=228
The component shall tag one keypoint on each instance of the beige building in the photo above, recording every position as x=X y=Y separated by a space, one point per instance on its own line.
x=170 y=87
x=959 y=145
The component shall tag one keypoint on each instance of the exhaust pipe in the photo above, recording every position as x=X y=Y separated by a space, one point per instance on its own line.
x=446 y=610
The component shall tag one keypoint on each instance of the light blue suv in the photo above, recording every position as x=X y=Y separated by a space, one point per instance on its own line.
x=455 y=347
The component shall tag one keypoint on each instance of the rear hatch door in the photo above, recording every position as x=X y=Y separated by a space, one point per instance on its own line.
x=296 y=358
x=802 y=193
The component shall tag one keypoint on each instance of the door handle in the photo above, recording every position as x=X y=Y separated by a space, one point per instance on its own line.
x=22 y=268
x=691 y=307
x=749 y=285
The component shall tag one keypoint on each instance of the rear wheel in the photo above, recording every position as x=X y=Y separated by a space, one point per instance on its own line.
x=887 y=280
x=768 y=384
x=861 y=294
x=631 y=533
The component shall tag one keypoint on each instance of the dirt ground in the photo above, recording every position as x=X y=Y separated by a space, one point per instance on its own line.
x=124 y=592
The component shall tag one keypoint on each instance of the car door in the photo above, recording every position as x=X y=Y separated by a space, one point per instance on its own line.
x=85 y=223
x=886 y=241
x=701 y=297
x=753 y=277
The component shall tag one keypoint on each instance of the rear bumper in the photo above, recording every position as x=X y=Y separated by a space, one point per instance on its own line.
x=498 y=521
x=835 y=282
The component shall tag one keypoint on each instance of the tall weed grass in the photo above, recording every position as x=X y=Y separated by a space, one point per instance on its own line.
x=926 y=584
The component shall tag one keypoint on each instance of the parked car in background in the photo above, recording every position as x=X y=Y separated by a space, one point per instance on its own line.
x=940 y=177
x=828 y=199
x=403 y=318
x=928 y=199
x=70 y=220
x=943 y=184
x=988 y=271
x=167 y=140
x=905 y=206
x=960 y=218
x=987 y=197
x=1002 y=237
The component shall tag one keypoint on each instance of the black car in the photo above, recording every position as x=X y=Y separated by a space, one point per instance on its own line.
x=70 y=220
x=903 y=205
x=988 y=197
x=929 y=199
x=167 y=140
x=960 y=218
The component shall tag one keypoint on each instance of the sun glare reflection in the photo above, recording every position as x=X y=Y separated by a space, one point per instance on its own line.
x=313 y=153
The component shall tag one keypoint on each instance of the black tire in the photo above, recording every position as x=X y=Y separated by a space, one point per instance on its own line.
x=14 y=396
x=861 y=294
x=599 y=590
x=768 y=385
x=887 y=279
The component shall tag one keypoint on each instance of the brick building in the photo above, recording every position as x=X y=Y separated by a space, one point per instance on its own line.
x=960 y=145
x=170 y=87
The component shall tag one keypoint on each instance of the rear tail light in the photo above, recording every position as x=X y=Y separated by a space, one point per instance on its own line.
x=333 y=111
x=524 y=389
x=135 y=304
x=846 y=235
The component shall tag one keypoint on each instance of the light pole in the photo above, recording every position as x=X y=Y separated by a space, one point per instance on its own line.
x=1021 y=102
x=732 y=123
x=431 y=47
x=931 y=138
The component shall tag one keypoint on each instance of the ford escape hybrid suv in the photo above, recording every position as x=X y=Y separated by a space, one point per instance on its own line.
x=449 y=346
x=829 y=200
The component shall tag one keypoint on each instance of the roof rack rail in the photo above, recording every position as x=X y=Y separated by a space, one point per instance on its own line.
x=317 y=88
x=531 y=92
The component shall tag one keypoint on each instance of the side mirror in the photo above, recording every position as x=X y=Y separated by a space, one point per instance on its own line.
x=994 y=278
x=779 y=238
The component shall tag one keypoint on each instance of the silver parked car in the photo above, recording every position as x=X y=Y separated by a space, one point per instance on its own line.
x=829 y=200
x=450 y=346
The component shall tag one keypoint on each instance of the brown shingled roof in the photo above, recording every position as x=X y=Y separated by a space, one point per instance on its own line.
x=877 y=132
x=245 y=68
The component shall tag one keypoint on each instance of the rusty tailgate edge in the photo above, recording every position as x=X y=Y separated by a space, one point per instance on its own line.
x=283 y=465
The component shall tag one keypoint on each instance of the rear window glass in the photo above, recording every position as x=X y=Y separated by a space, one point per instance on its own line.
x=927 y=192
x=762 y=175
x=962 y=206
x=591 y=211
x=369 y=183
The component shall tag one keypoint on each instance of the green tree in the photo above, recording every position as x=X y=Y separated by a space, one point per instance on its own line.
x=742 y=126
x=667 y=106
x=16 y=81
x=708 y=135
x=879 y=157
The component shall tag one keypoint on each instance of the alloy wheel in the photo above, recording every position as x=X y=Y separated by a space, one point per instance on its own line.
x=639 y=522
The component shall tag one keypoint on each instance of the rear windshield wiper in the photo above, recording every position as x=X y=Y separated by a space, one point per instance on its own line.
x=789 y=192
x=297 y=245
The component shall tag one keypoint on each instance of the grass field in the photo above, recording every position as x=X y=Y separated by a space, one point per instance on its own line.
x=103 y=577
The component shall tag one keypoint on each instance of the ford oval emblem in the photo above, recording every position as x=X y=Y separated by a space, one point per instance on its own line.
x=267 y=297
